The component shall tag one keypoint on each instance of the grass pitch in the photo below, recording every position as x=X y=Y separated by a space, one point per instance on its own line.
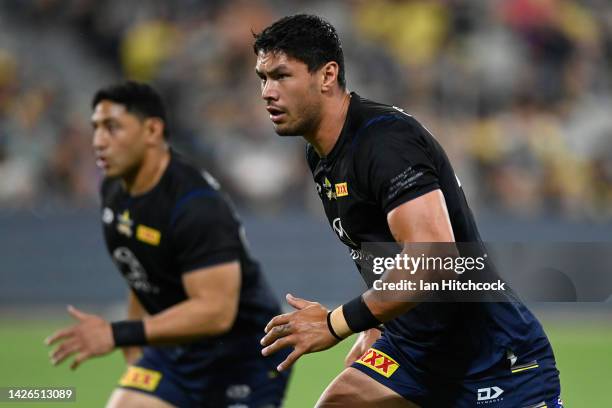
x=583 y=351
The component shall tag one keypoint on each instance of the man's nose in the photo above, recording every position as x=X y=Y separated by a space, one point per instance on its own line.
x=269 y=92
x=99 y=139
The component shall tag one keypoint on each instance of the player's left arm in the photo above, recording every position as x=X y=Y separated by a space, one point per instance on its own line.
x=389 y=155
x=423 y=219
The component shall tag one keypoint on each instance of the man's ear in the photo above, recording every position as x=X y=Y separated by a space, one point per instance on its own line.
x=329 y=74
x=155 y=129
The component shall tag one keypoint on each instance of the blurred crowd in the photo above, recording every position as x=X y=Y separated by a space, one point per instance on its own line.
x=519 y=92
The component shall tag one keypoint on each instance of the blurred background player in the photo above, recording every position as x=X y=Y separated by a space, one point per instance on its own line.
x=198 y=302
x=382 y=177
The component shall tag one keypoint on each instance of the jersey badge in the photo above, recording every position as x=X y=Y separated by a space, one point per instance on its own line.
x=148 y=235
x=124 y=224
x=329 y=192
x=379 y=362
x=141 y=378
x=341 y=189
x=107 y=216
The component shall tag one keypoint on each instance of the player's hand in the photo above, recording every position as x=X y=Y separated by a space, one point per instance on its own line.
x=363 y=343
x=91 y=336
x=305 y=330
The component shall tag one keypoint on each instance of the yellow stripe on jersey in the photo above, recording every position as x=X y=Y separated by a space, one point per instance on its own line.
x=529 y=367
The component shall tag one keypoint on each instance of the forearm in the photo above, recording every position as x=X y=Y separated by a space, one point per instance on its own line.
x=188 y=320
x=379 y=306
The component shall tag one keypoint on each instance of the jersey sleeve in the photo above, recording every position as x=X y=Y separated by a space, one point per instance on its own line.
x=394 y=162
x=205 y=233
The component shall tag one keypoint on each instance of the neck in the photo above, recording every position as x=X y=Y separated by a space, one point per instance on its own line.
x=325 y=136
x=149 y=172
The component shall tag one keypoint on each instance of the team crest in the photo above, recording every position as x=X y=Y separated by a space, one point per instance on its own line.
x=124 y=224
x=329 y=192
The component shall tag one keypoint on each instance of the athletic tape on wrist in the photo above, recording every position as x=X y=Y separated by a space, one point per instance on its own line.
x=358 y=316
x=331 y=328
x=129 y=333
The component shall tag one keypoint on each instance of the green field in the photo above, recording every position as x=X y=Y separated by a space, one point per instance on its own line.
x=584 y=355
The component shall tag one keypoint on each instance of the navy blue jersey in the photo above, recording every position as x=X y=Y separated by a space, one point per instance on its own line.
x=382 y=159
x=183 y=224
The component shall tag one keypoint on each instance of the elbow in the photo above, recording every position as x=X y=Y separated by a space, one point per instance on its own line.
x=224 y=320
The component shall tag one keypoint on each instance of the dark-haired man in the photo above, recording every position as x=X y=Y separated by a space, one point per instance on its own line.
x=382 y=177
x=197 y=299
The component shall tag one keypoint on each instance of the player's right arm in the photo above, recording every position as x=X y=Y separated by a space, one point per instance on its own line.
x=210 y=310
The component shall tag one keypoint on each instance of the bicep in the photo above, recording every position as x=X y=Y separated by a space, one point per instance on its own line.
x=217 y=284
x=422 y=219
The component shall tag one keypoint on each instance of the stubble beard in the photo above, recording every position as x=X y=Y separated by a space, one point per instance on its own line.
x=308 y=121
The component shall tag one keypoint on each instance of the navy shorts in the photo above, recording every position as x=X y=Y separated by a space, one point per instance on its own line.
x=233 y=380
x=532 y=383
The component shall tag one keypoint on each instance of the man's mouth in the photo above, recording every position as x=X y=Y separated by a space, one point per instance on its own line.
x=101 y=162
x=276 y=114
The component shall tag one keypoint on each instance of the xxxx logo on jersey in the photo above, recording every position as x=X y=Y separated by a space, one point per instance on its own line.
x=341 y=189
x=149 y=235
x=141 y=378
x=379 y=362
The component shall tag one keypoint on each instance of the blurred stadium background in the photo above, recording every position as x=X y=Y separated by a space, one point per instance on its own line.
x=519 y=92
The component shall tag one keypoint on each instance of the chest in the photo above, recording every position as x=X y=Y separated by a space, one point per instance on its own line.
x=137 y=239
x=134 y=222
x=352 y=212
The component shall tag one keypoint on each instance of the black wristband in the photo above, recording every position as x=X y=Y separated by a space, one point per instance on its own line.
x=129 y=333
x=331 y=328
x=357 y=315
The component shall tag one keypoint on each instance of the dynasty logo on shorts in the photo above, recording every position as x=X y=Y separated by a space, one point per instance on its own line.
x=141 y=378
x=379 y=362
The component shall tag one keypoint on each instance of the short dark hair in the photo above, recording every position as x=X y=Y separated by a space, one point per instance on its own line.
x=138 y=98
x=305 y=37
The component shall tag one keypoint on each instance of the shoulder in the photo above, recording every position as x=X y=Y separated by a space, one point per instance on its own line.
x=185 y=182
x=388 y=129
x=197 y=194
x=185 y=176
